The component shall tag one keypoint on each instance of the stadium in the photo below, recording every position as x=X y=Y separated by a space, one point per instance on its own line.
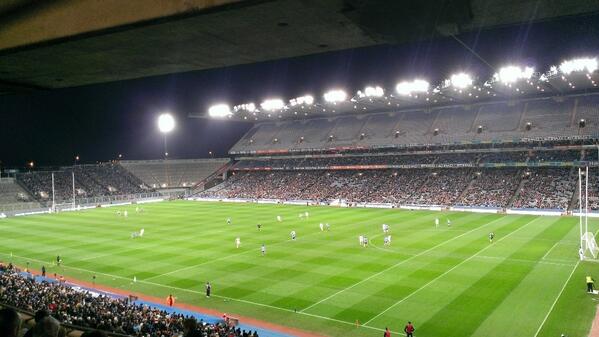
x=444 y=203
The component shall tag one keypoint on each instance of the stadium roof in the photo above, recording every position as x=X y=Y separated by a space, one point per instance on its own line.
x=46 y=45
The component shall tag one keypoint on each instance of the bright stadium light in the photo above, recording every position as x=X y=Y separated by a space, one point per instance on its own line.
x=250 y=107
x=372 y=92
x=581 y=64
x=166 y=123
x=511 y=74
x=408 y=88
x=307 y=99
x=272 y=104
x=461 y=80
x=335 y=96
x=219 y=111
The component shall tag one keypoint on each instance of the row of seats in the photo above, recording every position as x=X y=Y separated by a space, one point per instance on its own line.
x=497 y=121
x=173 y=173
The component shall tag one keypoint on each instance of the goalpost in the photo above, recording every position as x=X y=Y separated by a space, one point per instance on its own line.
x=587 y=239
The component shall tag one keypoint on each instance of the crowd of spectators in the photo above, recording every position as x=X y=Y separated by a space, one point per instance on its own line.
x=90 y=181
x=82 y=308
x=442 y=187
x=492 y=188
x=547 y=188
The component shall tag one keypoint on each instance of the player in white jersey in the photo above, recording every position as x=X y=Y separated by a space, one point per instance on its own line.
x=279 y=218
x=136 y=209
x=327 y=226
x=436 y=222
x=386 y=240
x=385 y=228
x=448 y=223
x=125 y=214
x=321 y=227
x=292 y=235
x=389 y=239
x=237 y=242
x=361 y=238
x=365 y=241
x=228 y=221
x=263 y=249
x=581 y=254
x=307 y=215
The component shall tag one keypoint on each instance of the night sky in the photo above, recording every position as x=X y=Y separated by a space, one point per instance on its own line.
x=98 y=122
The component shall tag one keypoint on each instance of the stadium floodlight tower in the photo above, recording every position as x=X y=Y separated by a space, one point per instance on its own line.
x=220 y=111
x=513 y=80
x=166 y=124
x=574 y=74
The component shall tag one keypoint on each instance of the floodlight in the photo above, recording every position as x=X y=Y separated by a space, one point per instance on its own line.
x=581 y=64
x=219 y=111
x=511 y=74
x=407 y=88
x=272 y=104
x=166 y=123
x=334 y=96
x=461 y=80
x=250 y=107
x=372 y=92
x=307 y=99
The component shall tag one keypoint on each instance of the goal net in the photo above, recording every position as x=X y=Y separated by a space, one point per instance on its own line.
x=589 y=245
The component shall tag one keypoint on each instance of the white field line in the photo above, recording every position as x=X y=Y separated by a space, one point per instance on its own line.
x=549 y=251
x=397 y=265
x=564 y=263
x=556 y=299
x=448 y=271
x=216 y=296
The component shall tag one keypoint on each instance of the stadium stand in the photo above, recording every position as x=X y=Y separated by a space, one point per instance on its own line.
x=90 y=181
x=500 y=122
x=173 y=173
x=11 y=192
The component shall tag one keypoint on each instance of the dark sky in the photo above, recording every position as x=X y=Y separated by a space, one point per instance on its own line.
x=100 y=121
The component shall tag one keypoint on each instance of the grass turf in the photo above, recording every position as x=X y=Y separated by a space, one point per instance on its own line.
x=449 y=281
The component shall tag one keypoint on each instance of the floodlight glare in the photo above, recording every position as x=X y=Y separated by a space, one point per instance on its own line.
x=219 y=111
x=272 y=104
x=166 y=123
x=582 y=64
x=372 y=92
x=511 y=74
x=334 y=96
x=250 y=107
x=307 y=99
x=461 y=80
x=407 y=88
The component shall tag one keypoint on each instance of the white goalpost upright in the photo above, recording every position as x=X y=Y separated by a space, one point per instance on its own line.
x=588 y=245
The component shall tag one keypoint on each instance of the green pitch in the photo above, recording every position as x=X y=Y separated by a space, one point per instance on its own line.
x=449 y=281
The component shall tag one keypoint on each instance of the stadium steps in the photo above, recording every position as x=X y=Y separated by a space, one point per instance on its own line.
x=464 y=192
x=517 y=192
x=199 y=187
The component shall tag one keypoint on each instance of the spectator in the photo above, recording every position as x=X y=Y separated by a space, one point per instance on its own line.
x=10 y=323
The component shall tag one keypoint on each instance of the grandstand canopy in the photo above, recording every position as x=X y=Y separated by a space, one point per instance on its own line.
x=57 y=44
